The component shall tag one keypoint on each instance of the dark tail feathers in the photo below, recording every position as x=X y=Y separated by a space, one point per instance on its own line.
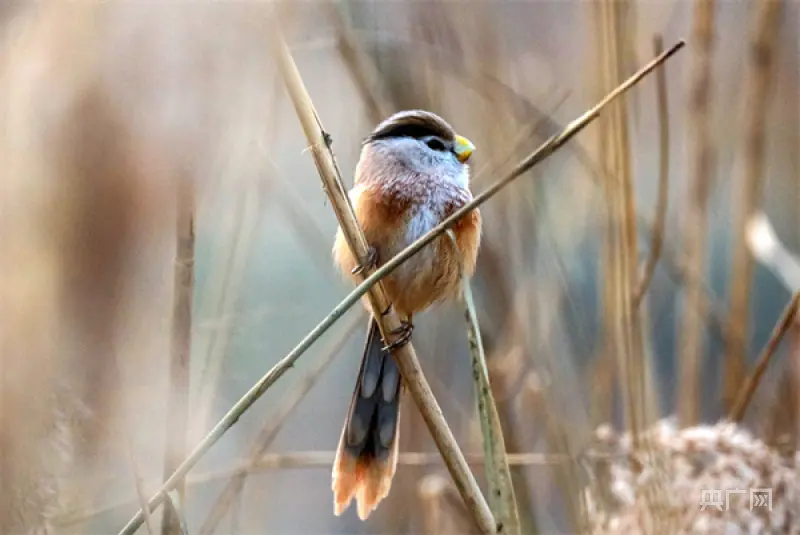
x=367 y=454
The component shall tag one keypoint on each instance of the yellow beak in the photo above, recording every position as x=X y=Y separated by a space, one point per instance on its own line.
x=463 y=148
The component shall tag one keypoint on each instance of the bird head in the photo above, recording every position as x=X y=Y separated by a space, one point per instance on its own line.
x=422 y=143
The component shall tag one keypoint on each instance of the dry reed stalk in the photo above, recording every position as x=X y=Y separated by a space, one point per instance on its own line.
x=405 y=356
x=235 y=484
x=652 y=410
x=500 y=485
x=747 y=390
x=650 y=388
x=312 y=460
x=702 y=160
x=620 y=252
x=795 y=351
x=599 y=378
x=757 y=87
x=181 y=346
x=282 y=366
x=323 y=459
x=635 y=372
x=639 y=362
x=662 y=197
x=794 y=372
x=608 y=268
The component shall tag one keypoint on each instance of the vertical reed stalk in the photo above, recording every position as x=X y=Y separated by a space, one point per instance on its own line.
x=702 y=159
x=622 y=325
x=181 y=344
x=758 y=82
x=501 y=487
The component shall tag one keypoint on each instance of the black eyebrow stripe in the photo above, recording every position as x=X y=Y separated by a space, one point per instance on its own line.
x=416 y=131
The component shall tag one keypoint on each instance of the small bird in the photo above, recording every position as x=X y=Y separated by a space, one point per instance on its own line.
x=412 y=174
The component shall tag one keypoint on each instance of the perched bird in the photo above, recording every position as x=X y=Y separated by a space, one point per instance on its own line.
x=411 y=175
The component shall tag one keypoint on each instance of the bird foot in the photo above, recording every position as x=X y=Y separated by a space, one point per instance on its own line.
x=370 y=262
x=404 y=332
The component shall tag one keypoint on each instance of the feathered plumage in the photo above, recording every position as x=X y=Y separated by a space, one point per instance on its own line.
x=411 y=175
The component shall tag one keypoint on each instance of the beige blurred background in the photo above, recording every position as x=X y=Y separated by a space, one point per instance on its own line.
x=113 y=111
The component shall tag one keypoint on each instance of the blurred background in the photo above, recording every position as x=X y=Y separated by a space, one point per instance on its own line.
x=163 y=224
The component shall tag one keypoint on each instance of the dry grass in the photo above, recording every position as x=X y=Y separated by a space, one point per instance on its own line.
x=760 y=73
x=695 y=219
x=112 y=111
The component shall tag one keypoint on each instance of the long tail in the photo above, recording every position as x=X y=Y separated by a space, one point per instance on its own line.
x=367 y=454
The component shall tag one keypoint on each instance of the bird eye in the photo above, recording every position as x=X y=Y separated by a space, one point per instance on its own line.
x=435 y=144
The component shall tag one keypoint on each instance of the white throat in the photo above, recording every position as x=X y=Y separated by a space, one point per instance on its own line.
x=461 y=179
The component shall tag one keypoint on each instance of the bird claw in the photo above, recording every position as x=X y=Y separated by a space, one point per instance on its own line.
x=404 y=332
x=371 y=261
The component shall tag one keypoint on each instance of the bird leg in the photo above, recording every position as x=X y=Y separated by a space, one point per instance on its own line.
x=369 y=262
x=404 y=331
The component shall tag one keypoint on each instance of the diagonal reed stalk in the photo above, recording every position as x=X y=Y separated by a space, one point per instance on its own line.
x=276 y=372
x=748 y=389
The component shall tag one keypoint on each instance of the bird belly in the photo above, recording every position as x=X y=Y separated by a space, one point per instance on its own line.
x=432 y=274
